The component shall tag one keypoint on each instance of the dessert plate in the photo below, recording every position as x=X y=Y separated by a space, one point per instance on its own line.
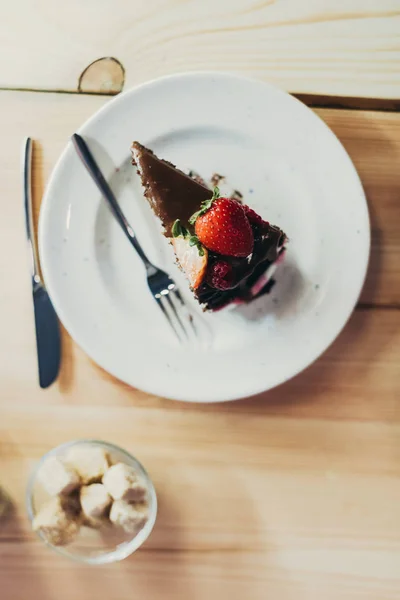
x=289 y=167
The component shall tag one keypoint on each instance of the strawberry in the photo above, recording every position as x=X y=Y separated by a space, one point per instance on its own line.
x=258 y=225
x=221 y=226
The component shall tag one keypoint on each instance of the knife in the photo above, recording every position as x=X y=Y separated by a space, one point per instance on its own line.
x=48 y=340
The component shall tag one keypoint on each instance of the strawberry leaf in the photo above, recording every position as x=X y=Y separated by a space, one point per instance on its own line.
x=216 y=194
x=178 y=230
x=205 y=206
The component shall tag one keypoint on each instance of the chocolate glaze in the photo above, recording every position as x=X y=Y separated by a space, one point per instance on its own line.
x=172 y=194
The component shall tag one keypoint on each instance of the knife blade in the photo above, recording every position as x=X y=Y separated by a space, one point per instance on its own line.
x=48 y=339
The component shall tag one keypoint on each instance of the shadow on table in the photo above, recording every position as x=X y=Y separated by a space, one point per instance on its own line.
x=198 y=547
x=67 y=367
x=340 y=371
x=20 y=577
x=18 y=574
x=376 y=158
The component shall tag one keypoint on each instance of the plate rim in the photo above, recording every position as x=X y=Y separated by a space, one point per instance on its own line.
x=45 y=211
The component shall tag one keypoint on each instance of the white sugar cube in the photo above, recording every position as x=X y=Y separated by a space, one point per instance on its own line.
x=91 y=462
x=94 y=500
x=122 y=483
x=56 y=523
x=96 y=522
x=58 y=478
x=131 y=517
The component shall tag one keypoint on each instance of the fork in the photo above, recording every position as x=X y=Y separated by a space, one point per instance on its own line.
x=162 y=287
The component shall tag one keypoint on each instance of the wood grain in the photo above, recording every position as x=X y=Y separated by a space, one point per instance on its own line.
x=213 y=575
x=248 y=504
x=291 y=495
x=349 y=48
x=373 y=142
x=357 y=378
x=371 y=138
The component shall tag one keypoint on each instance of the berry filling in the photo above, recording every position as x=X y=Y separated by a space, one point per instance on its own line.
x=236 y=247
x=243 y=274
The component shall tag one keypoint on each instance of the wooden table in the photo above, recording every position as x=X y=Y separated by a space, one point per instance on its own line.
x=293 y=495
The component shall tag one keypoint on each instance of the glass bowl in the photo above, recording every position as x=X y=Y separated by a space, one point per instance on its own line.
x=103 y=545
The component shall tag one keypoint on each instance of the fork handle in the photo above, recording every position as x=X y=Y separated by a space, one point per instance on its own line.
x=88 y=160
x=27 y=175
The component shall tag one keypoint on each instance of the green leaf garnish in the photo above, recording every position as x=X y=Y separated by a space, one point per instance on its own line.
x=205 y=206
x=178 y=230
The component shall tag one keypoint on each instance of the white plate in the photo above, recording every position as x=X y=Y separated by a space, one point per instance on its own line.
x=291 y=169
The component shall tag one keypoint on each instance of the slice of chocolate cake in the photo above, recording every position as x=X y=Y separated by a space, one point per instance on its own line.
x=226 y=250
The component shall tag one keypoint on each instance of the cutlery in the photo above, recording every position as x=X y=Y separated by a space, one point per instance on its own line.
x=48 y=341
x=163 y=289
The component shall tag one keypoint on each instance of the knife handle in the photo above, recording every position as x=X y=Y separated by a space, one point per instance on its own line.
x=28 y=206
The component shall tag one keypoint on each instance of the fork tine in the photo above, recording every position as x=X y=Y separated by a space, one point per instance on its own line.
x=158 y=297
x=178 y=318
x=177 y=293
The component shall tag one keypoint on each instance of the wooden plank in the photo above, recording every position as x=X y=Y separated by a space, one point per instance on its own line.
x=248 y=504
x=352 y=102
x=372 y=140
x=357 y=378
x=33 y=573
x=291 y=495
x=323 y=47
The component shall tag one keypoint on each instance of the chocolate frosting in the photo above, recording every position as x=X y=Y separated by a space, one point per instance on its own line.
x=172 y=194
